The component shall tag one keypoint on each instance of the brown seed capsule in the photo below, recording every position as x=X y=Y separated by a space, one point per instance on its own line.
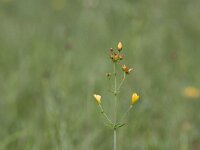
x=126 y=69
x=121 y=56
x=108 y=75
x=119 y=46
x=115 y=57
x=111 y=56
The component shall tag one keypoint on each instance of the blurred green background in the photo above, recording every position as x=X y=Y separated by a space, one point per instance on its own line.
x=54 y=56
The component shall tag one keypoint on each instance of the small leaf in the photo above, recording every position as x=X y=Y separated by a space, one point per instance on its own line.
x=110 y=125
x=119 y=125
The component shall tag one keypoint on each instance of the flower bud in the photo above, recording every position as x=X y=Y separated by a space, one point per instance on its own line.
x=124 y=67
x=108 y=75
x=111 y=56
x=119 y=46
x=134 y=98
x=97 y=98
x=128 y=70
x=121 y=56
x=115 y=57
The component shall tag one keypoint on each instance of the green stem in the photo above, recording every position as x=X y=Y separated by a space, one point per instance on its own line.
x=109 y=85
x=115 y=94
x=122 y=81
x=105 y=115
x=115 y=140
x=124 y=115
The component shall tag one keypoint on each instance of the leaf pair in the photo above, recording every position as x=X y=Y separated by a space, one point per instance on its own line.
x=114 y=126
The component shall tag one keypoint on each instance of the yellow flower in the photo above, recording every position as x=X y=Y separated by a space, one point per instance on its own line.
x=97 y=98
x=119 y=46
x=135 y=98
x=191 y=92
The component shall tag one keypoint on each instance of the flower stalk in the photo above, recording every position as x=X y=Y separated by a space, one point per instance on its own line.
x=124 y=77
x=105 y=115
x=115 y=139
x=117 y=56
x=115 y=95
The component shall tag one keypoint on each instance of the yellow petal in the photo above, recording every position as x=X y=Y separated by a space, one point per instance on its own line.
x=97 y=98
x=135 y=98
x=191 y=92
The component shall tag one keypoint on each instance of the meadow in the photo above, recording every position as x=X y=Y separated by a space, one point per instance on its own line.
x=54 y=57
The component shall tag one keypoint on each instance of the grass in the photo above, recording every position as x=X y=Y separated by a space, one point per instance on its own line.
x=53 y=57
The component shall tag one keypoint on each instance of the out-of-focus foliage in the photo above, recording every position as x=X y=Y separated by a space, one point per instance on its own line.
x=54 y=56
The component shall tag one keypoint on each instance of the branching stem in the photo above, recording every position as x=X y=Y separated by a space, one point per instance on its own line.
x=124 y=115
x=124 y=77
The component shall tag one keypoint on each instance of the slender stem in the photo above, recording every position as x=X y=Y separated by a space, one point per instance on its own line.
x=124 y=77
x=115 y=74
x=124 y=115
x=109 y=85
x=115 y=139
x=106 y=116
x=115 y=94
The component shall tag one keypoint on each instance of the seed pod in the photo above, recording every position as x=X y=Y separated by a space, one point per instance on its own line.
x=108 y=75
x=121 y=56
x=115 y=57
x=126 y=69
x=111 y=56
